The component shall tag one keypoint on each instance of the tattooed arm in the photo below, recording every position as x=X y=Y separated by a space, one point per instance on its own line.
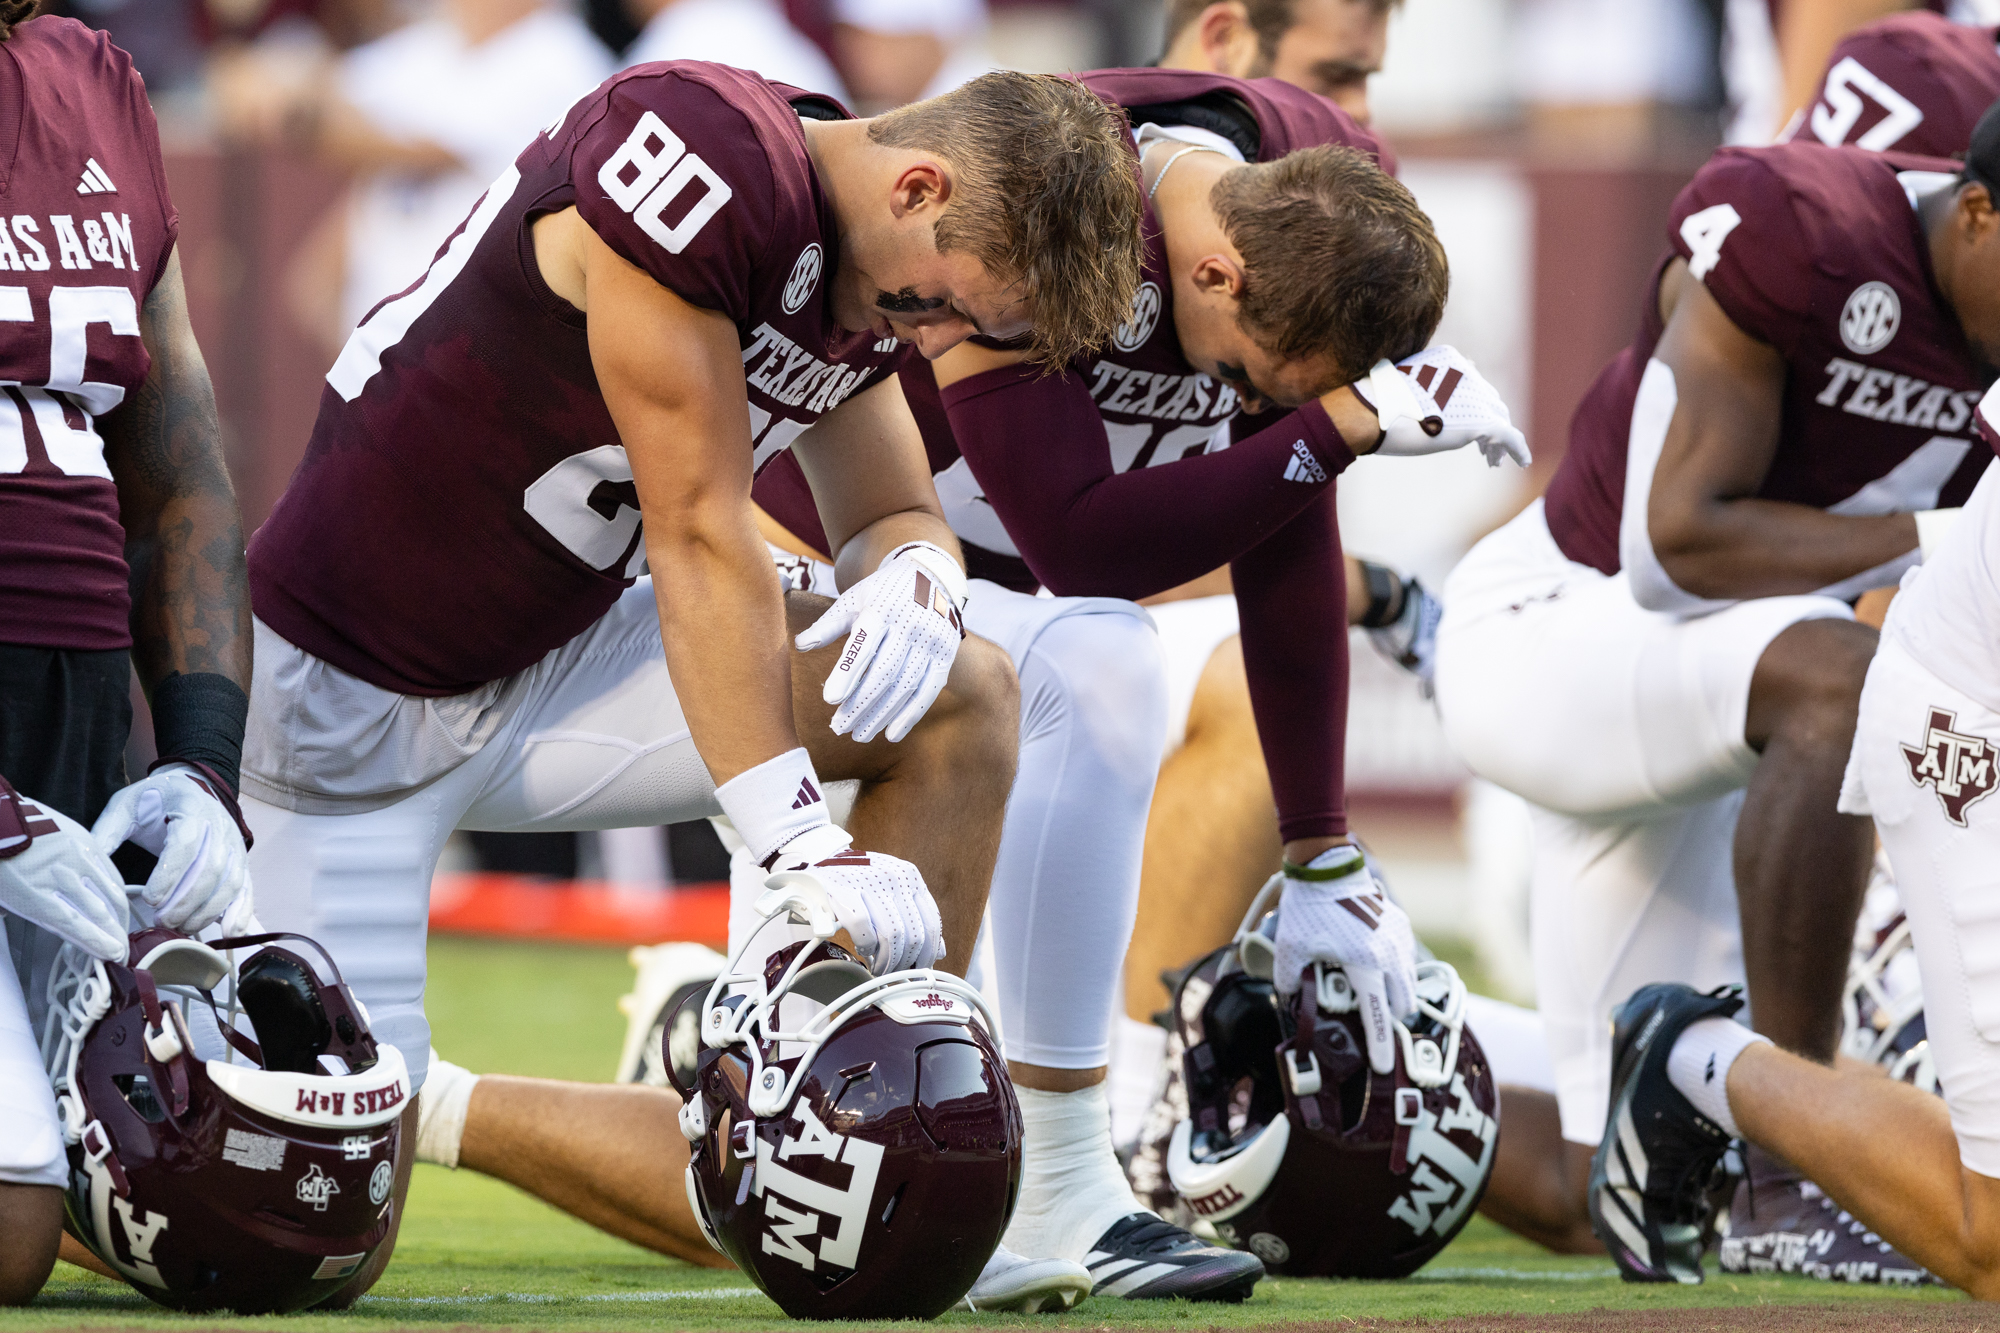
x=183 y=534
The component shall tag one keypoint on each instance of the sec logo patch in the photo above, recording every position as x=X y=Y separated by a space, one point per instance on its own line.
x=1138 y=326
x=380 y=1181
x=805 y=276
x=1871 y=317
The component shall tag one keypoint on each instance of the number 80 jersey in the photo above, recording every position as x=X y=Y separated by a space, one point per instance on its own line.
x=86 y=228
x=465 y=505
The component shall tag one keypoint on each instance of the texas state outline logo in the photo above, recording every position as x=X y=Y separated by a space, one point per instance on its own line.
x=1957 y=766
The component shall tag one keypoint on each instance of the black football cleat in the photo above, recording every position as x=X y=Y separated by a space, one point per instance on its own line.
x=1652 y=1180
x=1143 y=1258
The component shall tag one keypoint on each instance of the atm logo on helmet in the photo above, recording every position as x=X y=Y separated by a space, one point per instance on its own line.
x=797 y=1207
x=1443 y=1178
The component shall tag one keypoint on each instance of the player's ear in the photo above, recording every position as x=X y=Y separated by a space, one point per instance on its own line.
x=923 y=186
x=1225 y=32
x=1218 y=275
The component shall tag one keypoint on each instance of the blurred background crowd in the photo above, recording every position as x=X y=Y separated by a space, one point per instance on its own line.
x=320 y=151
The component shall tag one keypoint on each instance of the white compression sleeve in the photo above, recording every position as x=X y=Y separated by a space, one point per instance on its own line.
x=1066 y=886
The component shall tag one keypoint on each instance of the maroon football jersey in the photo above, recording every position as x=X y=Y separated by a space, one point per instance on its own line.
x=1154 y=406
x=1818 y=252
x=86 y=228
x=1915 y=82
x=465 y=505
x=1089 y=486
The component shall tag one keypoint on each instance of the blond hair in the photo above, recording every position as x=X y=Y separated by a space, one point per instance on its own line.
x=1045 y=195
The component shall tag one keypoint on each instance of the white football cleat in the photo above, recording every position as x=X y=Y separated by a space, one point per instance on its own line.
x=1021 y=1285
x=666 y=972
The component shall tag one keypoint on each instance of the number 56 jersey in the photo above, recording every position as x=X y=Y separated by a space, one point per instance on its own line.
x=465 y=505
x=86 y=229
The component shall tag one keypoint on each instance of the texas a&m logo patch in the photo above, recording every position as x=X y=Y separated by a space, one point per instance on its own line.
x=1958 y=767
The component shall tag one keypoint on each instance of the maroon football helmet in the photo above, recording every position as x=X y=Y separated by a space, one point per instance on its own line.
x=259 y=1182
x=1298 y=1151
x=856 y=1141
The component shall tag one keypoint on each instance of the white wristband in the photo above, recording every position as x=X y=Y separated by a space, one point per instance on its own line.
x=774 y=803
x=937 y=562
x=1933 y=525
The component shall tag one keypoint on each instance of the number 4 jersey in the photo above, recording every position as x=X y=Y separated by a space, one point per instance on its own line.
x=1819 y=253
x=465 y=505
x=86 y=228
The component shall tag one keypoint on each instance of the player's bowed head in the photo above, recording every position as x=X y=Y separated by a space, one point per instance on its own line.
x=1962 y=222
x=1302 y=274
x=1009 y=207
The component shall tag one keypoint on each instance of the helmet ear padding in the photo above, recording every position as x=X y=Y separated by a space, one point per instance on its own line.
x=824 y=982
x=276 y=990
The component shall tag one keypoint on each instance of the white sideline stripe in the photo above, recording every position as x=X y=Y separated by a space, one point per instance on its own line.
x=542 y=1298
x=1605 y=1273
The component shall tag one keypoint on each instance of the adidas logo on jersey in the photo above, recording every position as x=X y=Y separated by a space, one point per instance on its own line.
x=95 y=179
x=807 y=796
x=1303 y=466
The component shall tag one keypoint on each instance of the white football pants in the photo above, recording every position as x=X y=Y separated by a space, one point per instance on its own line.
x=1920 y=781
x=1624 y=728
x=31 y=1144
x=590 y=737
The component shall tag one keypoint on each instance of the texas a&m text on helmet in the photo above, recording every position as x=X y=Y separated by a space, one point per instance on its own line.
x=260 y=1181
x=856 y=1141
x=1295 y=1149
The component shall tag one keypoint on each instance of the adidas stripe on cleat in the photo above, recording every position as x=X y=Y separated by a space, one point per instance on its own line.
x=1653 y=1179
x=1144 y=1258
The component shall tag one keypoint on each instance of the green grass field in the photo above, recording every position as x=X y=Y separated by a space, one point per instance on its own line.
x=478 y=1253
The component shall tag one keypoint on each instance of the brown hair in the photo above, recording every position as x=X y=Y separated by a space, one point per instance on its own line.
x=13 y=12
x=1269 y=19
x=1337 y=257
x=1045 y=193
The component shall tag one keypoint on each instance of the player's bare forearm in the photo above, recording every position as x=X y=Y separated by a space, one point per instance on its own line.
x=871 y=479
x=722 y=623
x=1712 y=537
x=183 y=532
x=672 y=376
x=1764 y=548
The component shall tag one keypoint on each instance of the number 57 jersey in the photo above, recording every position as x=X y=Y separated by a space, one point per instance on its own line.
x=465 y=505
x=86 y=229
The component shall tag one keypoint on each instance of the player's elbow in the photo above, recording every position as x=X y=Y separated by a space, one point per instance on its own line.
x=1673 y=559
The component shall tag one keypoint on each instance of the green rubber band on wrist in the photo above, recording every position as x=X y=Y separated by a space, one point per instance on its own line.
x=1326 y=874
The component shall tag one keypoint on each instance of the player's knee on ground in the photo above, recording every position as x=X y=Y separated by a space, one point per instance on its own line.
x=1807 y=687
x=30 y=1233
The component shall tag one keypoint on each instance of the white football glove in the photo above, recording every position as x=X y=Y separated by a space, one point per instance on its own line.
x=906 y=620
x=878 y=899
x=1436 y=401
x=1340 y=917
x=204 y=868
x=51 y=874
